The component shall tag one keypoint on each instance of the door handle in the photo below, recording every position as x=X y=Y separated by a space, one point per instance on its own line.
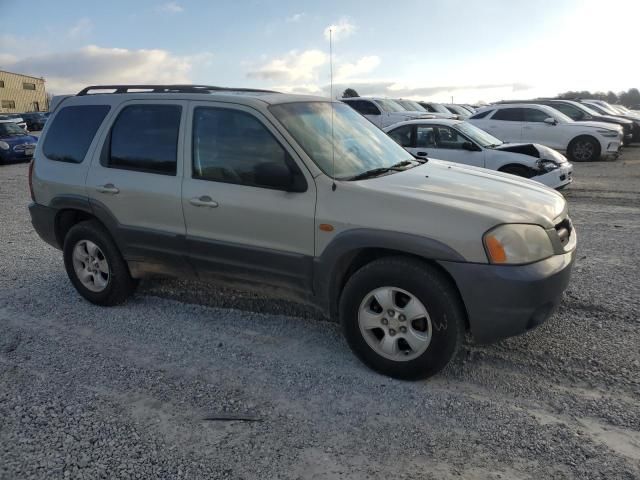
x=108 y=188
x=203 y=201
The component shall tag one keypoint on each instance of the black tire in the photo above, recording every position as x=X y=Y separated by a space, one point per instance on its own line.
x=428 y=285
x=519 y=170
x=120 y=285
x=577 y=147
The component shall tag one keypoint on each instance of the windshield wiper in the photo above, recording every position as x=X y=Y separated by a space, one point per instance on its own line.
x=379 y=171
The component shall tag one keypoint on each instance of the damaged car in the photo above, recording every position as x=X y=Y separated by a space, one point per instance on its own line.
x=461 y=142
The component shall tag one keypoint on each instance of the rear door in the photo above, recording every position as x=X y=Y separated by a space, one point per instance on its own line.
x=135 y=180
x=505 y=124
x=237 y=226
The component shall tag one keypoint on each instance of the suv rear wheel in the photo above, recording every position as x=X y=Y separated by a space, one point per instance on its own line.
x=95 y=266
x=402 y=317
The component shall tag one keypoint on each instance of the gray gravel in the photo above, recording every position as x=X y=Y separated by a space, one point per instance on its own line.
x=88 y=392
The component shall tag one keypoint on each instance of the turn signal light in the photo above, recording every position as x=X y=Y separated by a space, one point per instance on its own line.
x=495 y=250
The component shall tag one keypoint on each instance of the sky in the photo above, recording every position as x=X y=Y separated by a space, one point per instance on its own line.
x=433 y=50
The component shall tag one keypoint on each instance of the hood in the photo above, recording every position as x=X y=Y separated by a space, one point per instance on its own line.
x=19 y=139
x=606 y=126
x=496 y=196
x=533 y=150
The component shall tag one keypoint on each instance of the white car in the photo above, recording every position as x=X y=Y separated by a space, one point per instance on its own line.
x=461 y=112
x=438 y=109
x=383 y=111
x=17 y=120
x=582 y=141
x=416 y=107
x=461 y=142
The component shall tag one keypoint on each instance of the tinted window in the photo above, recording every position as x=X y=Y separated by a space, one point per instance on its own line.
x=364 y=107
x=534 y=115
x=449 y=138
x=229 y=145
x=569 y=110
x=425 y=136
x=145 y=138
x=402 y=135
x=428 y=107
x=72 y=131
x=509 y=115
x=481 y=114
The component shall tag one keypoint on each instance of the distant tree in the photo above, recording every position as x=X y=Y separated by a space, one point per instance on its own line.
x=611 y=97
x=630 y=98
x=350 y=93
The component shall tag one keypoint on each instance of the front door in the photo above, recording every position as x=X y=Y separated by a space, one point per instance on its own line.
x=237 y=226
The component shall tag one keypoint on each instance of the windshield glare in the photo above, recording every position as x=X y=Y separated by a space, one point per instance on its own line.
x=359 y=145
x=438 y=107
x=11 y=128
x=411 y=106
x=390 y=106
x=479 y=136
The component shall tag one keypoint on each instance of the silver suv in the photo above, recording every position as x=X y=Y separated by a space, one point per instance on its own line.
x=302 y=193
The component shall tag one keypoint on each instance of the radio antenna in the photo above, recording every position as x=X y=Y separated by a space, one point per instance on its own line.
x=333 y=145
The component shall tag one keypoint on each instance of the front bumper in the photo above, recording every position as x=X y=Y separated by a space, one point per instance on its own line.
x=558 y=178
x=613 y=150
x=507 y=300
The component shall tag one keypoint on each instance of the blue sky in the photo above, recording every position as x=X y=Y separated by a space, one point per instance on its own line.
x=430 y=49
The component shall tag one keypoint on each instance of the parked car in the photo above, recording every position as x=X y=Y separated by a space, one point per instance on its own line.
x=462 y=142
x=410 y=105
x=582 y=141
x=438 y=109
x=17 y=119
x=461 y=112
x=603 y=108
x=15 y=144
x=471 y=108
x=580 y=112
x=382 y=111
x=35 y=120
x=302 y=193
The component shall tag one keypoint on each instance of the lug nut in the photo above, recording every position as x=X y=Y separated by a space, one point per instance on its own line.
x=403 y=329
x=391 y=313
x=402 y=318
x=384 y=321
x=392 y=332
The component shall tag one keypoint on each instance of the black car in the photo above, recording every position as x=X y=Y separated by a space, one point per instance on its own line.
x=602 y=110
x=580 y=112
x=35 y=120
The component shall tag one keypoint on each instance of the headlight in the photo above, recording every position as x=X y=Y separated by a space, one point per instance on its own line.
x=517 y=244
x=4 y=146
x=546 y=165
x=609 y=133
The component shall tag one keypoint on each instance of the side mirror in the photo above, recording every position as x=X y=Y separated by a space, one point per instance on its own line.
x=550 y=121
x=470 y=147
x=278 y=176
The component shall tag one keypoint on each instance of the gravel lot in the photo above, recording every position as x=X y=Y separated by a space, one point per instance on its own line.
x=88 y=392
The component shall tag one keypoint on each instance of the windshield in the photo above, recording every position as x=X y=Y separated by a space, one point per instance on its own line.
x=411 y=106
x=390 y=106
x=10 y=128
x=607 y=109
x=359 y=145
x=438 y=107
x=479 y=136
x=586 y=108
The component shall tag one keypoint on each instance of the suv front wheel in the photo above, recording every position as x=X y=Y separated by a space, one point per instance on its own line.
x=402 y=317
x=95 y=266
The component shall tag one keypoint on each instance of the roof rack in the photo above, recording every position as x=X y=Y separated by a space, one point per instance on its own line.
x=164 y=89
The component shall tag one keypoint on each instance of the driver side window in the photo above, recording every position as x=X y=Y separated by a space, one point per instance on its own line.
x=449 y=138
x=228 y=146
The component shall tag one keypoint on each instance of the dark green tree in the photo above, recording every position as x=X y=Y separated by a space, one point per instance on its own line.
x=350 y=93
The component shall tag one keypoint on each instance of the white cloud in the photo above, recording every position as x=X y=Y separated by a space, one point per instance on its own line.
x=340 y=30
x=170 y=7
x=70 y=71
x=293 y=67
x=81 y=28
x=296 y=17
x=364 y=65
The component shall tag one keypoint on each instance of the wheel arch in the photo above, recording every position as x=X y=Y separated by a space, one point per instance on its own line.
x=354 y=249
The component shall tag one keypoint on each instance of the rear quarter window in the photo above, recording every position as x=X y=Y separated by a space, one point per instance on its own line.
x=72 y=132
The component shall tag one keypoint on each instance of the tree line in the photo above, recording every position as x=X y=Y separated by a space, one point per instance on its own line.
x=630 y=98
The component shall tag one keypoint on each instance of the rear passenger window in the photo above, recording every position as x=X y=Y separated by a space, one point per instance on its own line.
x=509 y=115
x=229 y=145
x=72 y=131
x=145 y=138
